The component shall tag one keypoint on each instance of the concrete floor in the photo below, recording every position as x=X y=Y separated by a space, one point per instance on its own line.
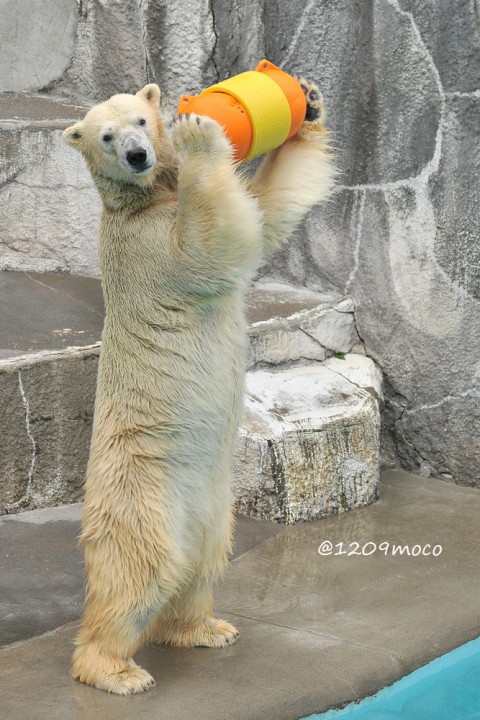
x=315 y=631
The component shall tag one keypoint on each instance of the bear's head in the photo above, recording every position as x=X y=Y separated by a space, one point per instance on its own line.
x=124 y=139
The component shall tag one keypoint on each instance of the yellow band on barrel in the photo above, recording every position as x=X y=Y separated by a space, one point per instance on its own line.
x=266 y=105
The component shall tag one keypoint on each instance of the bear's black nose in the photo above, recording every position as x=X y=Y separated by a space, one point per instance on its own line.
x=136 y=157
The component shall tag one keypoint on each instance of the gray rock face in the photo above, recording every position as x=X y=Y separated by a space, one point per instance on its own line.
x=44 y=445
x=450 y=33
x=50 y=209
x=456 y=203
x=108 y=56
x=120 y=45
x=401 y=234
x=36 y=42
x=401 y=79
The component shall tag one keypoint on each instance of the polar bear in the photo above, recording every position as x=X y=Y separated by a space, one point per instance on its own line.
x=181 y=233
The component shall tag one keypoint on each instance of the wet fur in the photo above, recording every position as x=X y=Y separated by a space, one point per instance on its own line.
x=178 y=247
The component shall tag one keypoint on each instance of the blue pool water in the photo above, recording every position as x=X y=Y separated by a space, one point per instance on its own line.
x=446 y=689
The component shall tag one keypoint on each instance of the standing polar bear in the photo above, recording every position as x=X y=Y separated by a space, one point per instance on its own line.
x=181 y=234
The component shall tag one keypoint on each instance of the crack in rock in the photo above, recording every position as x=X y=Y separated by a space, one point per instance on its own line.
x=298 y=32
x=215 y=44
x=432 y=166
x=28 y=490
x=360 y=207
x=369 y=389
x=472 y=392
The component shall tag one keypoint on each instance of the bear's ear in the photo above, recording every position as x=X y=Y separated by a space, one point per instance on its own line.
x=150 y=93
x=73 y=135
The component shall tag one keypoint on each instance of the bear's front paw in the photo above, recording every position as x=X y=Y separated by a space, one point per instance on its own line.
x=316 y=113
x=199 y=134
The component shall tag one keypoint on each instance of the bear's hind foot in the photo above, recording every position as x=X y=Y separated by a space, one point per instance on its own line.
x=114 y=675
x=212 y=632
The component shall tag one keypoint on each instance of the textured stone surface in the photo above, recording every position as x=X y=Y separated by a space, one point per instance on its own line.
x=36 y=42
x=43 y=313
x=334 y=329
x=360 y=371
x=401 y=79
x=455 y=204
x=45 y=429
x=121 y=44
x=450 y=32
x=297 y=325
x=50 y=209
x=16 y=450
x=309 y=444
x=401 y=233
x=267 y=299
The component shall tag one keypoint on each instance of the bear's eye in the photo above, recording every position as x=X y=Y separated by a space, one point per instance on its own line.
x=142 y=121
x=107 y=137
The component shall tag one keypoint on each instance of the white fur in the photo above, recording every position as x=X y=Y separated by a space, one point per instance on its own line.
x=178 y=246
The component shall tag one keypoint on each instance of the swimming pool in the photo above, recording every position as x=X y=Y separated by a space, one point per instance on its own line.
x=448 y=688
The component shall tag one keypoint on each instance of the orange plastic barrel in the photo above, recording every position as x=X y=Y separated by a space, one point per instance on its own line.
x=257 y=111
x=293 y=91
x=228 y=112
x=266 y=105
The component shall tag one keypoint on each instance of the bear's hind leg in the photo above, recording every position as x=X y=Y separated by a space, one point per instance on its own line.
x=105 y=645
x=126 y=590
x=117 y=675
x=187 y=620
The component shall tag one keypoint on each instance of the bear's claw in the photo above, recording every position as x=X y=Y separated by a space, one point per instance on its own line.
x=120 y=676
x=130 y=681
x=213 y=632
x=194 y=133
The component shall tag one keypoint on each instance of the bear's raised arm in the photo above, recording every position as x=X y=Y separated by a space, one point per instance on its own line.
x=226 y=226
x=219 y=225
x=296 y=176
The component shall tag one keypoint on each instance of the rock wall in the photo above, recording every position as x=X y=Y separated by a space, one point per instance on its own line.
x=401 y=234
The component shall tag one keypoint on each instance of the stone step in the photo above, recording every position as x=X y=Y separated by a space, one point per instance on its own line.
x=289 y=324
x=49 y=313
x=309 y=444
x=49 y=349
